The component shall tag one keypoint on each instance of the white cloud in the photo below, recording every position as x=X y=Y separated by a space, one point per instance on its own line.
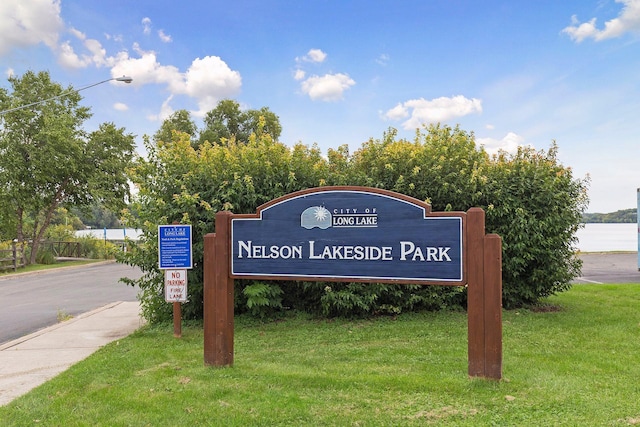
x=509 y=143
x=299 y=74
x=383 y=59
x=165 y=111
x=315 y=55
x=77 y=34
x=398 y=112
x=146 y=69
x=119 y=106
x=146 y=25
x=68 y=58
x=421 y=111
x=330 y=87
x=115 y=37
x=209 y=80
x=96 y=54
x=27 y=23
x=165 y=38
x=627 y=21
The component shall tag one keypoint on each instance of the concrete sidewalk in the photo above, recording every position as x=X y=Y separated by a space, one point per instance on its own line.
x=27 y=362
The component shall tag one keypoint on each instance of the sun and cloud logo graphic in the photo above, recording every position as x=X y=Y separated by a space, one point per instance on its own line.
x=315 y=216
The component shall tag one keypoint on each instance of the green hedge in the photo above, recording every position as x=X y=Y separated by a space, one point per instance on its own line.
x=530 y=199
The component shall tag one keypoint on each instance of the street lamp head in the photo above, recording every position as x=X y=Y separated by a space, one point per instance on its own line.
x=125 y=79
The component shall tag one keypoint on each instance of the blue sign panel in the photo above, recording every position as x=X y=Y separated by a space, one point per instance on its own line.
x=348 y=234
x=174 y=246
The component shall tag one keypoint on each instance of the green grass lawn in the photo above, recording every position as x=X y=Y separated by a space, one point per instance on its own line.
x=578 y=366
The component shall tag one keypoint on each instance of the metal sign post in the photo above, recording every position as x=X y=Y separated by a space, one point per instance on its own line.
x=175 y=256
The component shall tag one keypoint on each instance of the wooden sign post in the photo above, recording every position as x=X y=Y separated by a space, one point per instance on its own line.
x=356 y=234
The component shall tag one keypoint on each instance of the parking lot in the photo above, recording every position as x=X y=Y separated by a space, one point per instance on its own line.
x=609 y=267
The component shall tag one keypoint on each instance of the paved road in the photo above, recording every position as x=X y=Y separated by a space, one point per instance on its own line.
x=34 y=301
x=609 y=267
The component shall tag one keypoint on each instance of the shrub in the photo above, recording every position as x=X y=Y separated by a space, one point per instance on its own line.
x=97 y=248
x=530 y=199
x=45 y=257
x=536 y=206
x=262 y=299
x=179 y=183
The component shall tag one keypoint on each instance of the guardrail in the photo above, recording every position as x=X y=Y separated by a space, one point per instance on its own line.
x=11 y=258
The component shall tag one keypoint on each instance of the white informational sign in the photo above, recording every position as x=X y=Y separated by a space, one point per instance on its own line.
x=175 y=285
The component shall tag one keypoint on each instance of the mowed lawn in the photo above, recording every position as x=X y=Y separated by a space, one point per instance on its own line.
x=576 y=363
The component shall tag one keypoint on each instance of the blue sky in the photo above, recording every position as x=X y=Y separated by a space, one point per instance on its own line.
x=340 y=72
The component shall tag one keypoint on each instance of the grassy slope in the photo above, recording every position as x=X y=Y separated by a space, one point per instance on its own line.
x=576 y=366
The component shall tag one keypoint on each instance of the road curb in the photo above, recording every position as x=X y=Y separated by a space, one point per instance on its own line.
x=58 y=325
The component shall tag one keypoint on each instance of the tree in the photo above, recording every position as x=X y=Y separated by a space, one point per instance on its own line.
x=97 y=215
x=48 y=161
x=227 y=121
x=62 y=216
x=179 y=121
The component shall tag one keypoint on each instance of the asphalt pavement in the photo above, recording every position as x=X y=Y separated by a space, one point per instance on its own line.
x=29 y=361
x=35 y=300
x=609 y=267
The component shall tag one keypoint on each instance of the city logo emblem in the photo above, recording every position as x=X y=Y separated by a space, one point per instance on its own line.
x=315 y=216
x=320 y=217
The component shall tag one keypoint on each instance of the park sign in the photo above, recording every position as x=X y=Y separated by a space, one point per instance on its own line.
x=174 y=246
x=356 y=234
x=349 y=234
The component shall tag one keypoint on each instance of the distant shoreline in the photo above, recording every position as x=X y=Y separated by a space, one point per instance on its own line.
x=625 y=216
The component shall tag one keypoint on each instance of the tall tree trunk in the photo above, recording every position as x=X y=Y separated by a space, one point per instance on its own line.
x=34 y=241
x=20 y=233
x=38 y=233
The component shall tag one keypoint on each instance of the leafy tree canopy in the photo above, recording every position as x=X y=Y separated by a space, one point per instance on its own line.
x=47 y=159
x=179 y=121
x=222 y=124
x=97 y=215
x=530 y=199
x=227 y=121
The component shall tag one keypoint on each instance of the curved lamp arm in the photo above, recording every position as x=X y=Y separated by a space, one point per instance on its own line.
x=124 y=79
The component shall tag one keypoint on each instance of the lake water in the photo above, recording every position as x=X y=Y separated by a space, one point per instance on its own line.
x=608 y=237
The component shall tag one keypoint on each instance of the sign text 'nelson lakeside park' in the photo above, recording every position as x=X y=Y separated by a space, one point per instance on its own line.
x=343 y=234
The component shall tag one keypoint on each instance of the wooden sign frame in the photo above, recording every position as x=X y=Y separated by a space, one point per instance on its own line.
x=481 y=261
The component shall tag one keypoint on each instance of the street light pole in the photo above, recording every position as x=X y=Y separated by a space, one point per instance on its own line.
x=124 y=79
